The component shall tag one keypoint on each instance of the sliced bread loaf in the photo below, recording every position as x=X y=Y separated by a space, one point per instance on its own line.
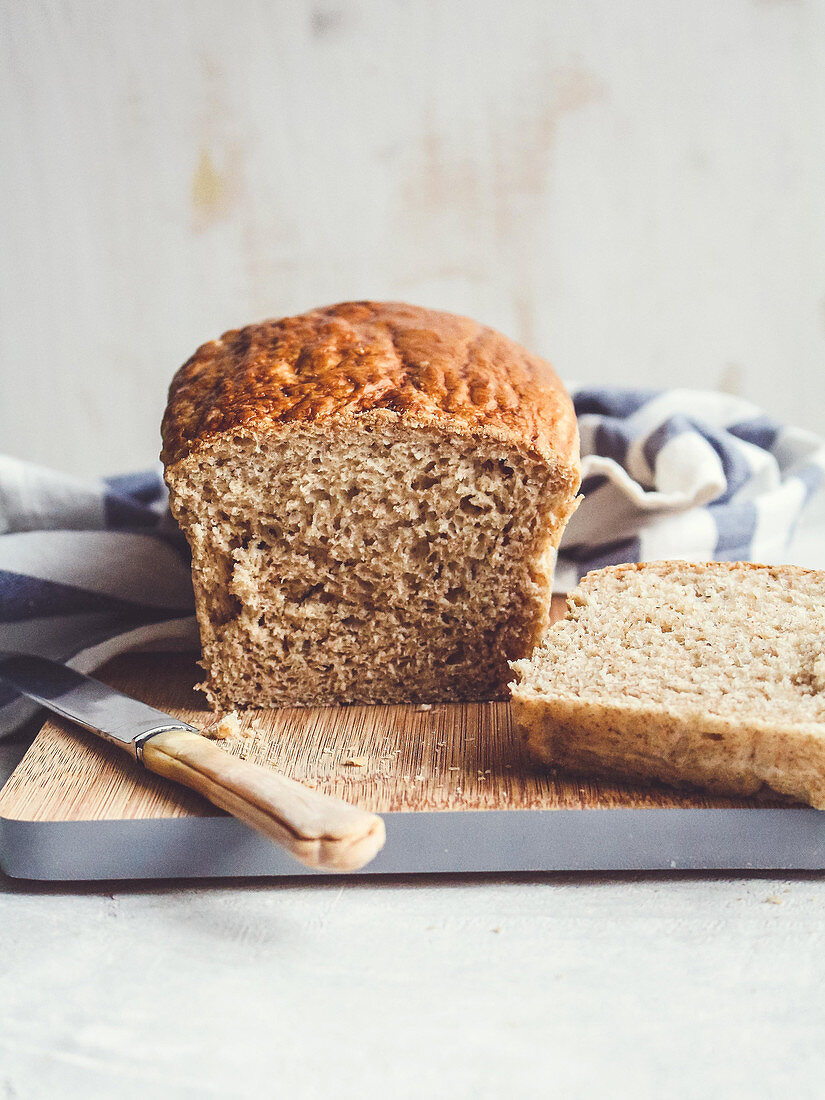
x=373 y=494
x=704 y=674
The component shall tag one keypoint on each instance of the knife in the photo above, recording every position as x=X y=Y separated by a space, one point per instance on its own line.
x=322 y=832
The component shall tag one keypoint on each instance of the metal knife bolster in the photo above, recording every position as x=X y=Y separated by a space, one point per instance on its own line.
x=118 y=718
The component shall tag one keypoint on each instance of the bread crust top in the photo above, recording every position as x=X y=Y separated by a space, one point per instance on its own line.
x=370 y=361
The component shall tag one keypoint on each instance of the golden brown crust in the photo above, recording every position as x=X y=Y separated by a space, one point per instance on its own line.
x=364 y=361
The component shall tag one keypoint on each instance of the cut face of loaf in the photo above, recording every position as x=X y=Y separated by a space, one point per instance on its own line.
x=372 y=493
x=704 y=674
x=370 y=563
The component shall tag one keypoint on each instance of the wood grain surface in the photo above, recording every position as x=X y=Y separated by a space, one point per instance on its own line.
x=383 y=758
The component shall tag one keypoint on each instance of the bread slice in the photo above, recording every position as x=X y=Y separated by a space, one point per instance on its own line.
x=701 y=674
x=373 y=494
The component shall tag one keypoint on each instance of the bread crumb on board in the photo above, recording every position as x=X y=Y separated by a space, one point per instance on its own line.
x=228 y=726
x=223 y=726
x=355 y=762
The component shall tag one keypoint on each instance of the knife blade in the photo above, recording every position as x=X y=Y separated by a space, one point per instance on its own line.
x=321 y=832
x=118 y=718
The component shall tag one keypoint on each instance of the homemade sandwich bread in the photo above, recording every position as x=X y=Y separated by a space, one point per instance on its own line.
x=373 y=494
x=705 y=674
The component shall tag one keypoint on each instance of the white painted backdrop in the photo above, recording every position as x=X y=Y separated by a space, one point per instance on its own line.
x=634 y=189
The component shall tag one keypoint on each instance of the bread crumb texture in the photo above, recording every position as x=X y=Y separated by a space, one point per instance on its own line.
x=373 y=496
x=224 y=726
x=711 y=674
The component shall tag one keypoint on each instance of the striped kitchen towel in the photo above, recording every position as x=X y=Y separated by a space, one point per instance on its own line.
x=684 y=474
x=89 y=569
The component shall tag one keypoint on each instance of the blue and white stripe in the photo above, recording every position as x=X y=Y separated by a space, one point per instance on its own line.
x=684 y=474
x=89 y=569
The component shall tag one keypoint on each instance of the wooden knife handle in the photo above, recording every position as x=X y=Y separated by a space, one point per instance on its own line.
x=320 y=831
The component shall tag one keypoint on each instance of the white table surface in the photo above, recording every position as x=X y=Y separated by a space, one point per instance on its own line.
x=518 y=985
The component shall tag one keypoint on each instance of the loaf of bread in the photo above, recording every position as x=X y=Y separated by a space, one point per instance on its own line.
x=373 y=494
x=694 y=674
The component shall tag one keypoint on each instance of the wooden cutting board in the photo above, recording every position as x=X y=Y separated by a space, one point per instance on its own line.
x=452 y=780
